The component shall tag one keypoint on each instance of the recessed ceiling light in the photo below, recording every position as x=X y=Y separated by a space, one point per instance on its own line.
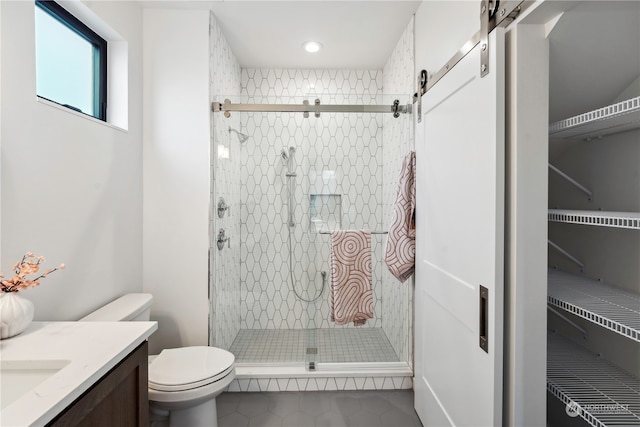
x=312 y=47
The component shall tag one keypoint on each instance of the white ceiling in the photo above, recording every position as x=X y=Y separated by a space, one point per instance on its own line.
x=356 y=34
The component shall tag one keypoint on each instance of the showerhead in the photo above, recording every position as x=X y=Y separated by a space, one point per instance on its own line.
x=241 y=136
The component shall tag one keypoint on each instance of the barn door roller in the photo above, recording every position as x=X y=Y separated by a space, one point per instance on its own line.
x=422 y=89
x=487 y=9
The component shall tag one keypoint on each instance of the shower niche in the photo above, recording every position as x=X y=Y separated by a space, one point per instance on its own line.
x=325 y=212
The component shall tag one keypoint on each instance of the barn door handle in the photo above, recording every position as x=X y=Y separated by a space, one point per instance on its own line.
x=483 y=329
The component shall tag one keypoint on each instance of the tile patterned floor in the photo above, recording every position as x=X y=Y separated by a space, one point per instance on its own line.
x=318 y=409
x=333 y=345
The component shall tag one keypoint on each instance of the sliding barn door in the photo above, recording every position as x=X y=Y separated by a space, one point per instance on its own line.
x=459 y=259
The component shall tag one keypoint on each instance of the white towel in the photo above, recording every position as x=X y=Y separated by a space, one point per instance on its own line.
x=351 y=294
x=400 y=251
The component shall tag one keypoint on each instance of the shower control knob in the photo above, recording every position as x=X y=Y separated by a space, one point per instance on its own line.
x=222 y=207
x=222 y=238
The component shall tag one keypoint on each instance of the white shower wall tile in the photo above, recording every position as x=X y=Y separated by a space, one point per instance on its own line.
x=397 y=142
x=328 y=150
x=225 y=160
x=332 y=86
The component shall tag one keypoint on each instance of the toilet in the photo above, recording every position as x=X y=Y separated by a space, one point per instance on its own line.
x=183 y=382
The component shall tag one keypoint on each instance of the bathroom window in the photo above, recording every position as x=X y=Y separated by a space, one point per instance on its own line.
x=71 y=61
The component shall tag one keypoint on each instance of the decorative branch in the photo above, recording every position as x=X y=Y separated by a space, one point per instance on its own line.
x=28 y=265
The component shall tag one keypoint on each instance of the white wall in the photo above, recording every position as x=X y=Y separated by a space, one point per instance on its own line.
x=176 y=174
x=442 y=27
x=0 y=136
x=71 y=186
x=525 y=330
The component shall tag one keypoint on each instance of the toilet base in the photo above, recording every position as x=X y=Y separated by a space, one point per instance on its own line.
x=204 y=414
x=189 y=408
x=158 y=417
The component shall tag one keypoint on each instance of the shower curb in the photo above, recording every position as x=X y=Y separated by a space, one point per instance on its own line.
x=250 y=379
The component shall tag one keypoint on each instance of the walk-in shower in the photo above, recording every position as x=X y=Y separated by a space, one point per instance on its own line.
x=294 y=180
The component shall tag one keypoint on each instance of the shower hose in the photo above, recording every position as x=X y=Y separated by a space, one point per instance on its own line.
x=293 y=281
x=291 y=224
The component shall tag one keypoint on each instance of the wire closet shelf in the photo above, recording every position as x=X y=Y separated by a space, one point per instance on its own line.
x=576 y=377
x=599 y=218
x=614 y=118
x=607 y=306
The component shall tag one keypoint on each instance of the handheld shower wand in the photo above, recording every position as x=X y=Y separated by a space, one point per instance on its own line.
x=288 y=158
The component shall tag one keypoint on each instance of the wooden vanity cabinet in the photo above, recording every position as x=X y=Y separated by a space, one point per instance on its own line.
x=118 y=399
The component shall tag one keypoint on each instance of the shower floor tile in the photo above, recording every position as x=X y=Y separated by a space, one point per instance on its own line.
x=329 y=345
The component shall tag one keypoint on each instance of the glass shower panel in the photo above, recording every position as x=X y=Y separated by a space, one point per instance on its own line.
x=345 y=174
x=224 y=223
x=275 y=277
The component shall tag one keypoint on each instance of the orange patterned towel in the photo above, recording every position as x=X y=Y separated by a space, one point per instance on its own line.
x=400 y=252
x=350 y=291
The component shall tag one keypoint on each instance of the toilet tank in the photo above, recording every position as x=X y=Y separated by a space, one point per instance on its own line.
x=129 y=307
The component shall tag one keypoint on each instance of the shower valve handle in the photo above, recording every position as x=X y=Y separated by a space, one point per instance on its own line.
x=222 y=238
x=222 y=207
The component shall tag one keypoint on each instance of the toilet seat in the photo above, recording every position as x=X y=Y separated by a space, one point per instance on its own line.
x=186 y=368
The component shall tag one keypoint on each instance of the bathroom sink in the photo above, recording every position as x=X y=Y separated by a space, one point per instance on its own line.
x=17 y=377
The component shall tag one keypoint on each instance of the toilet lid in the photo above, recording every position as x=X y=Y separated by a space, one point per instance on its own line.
x=189 y=367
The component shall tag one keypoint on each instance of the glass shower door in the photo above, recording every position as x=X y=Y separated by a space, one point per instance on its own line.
x=287 y=181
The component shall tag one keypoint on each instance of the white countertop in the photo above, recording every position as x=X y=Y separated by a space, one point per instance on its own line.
x=92 y=349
